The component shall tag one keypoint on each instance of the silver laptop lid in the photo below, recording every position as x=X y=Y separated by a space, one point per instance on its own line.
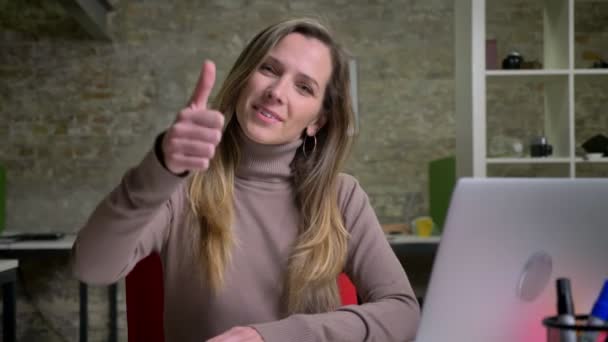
x=504 y=243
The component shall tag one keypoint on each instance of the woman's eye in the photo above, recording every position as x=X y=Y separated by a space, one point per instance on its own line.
x=306 y=88
x=267 y=67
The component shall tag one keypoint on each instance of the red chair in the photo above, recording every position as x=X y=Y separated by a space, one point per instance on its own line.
x=144 y=291
x=348 y=292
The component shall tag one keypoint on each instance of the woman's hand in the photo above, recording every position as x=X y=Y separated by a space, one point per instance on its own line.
x=238 y=334
x=190 y=142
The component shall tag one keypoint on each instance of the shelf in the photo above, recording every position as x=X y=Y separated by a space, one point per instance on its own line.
x=585 y=161
x=564 y=101
x=527 y=169
x=538 y=30
x=528 y=160
x=527 y=75
x=591 y=72
x=544 y=72
x=590 y=103
x=520 y=106
x=590 y=38
x=528 y=72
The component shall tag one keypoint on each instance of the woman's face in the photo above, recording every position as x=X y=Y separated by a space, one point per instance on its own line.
x=284 y=95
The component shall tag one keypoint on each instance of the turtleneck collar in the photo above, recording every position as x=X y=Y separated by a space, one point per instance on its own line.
x=266 y=163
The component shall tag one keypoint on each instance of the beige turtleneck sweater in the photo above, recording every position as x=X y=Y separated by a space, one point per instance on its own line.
x=146 y=213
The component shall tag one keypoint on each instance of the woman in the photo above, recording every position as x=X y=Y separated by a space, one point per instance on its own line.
x=253 y=221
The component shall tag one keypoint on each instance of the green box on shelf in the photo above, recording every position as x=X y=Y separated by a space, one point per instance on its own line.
x=442 y=179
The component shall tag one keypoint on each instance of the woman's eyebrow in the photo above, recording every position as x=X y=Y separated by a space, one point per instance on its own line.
x=275 y=60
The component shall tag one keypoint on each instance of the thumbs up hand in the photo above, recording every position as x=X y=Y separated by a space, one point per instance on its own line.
x=190 y=142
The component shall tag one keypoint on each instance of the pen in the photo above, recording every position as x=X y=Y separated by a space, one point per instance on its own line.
x=599 y=314
x=565 y=309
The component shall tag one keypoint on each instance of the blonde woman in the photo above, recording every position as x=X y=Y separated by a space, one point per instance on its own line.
x=245 y=202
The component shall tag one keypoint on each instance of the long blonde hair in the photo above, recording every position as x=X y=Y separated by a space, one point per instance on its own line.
x=320 y=251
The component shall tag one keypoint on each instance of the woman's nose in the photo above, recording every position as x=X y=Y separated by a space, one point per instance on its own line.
x=276 y=92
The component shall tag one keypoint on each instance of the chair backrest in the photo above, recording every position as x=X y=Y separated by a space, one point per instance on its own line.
x=348 y=292
x=144 y=292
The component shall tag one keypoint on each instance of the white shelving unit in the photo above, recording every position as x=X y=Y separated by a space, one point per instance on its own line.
x=558 y=79
x=598 y=72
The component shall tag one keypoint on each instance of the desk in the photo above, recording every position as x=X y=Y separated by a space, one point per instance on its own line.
x=15 y=249
x=403 y=239
x=8 y=278
x=401 y=244
x=417 y=255
x=414 y=245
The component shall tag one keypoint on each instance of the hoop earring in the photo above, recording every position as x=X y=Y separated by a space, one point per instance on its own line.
x=314 y=147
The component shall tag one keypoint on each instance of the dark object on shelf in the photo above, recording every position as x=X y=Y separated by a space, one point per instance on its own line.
x=600 y=64
x=512 y=61
x=539 y=147
x=596 y=144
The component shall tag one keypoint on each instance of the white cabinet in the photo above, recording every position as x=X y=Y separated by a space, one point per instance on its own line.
x=498 y=112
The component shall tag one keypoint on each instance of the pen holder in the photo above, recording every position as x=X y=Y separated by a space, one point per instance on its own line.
x=578 y=332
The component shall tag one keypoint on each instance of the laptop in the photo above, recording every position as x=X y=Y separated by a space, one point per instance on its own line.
x=504 y=243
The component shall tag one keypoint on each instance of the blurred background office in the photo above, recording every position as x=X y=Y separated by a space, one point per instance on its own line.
x=80 y=104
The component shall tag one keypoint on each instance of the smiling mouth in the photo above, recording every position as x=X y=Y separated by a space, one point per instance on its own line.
x=266 y=113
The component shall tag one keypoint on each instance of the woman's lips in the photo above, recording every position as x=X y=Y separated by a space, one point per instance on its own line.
x=266 y=114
